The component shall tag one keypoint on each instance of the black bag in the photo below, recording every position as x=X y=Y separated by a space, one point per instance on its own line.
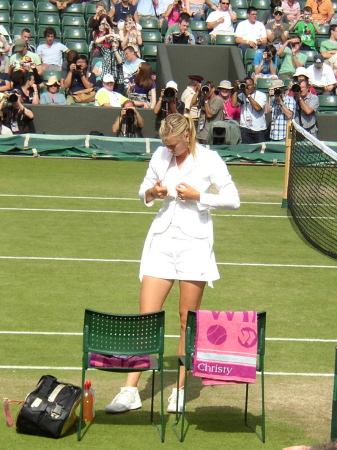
x=50 y=410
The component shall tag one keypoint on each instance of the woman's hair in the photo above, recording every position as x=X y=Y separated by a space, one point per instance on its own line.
x=178 y=125
x=97 y=25
x=72 y=56
x=127 y=18
x=144 y=76
x=24 y=77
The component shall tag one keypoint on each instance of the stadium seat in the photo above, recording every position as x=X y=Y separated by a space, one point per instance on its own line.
x=48 y=20
x=224 y=40
x=198 y=25
x=327 y=104
x=186 y=362
x=94 y=61
x=23 y=6
x=73 y=9
x=18 y=28
x=151 y=36
x=263 y=84
x=75 y=34
x=24 y=18
x=261 y=4
x=149 y=52
x=249 y=56
x=5 y=19
x=324 y=31
x=153 y=65
x=4 y=5
x=90 y=10
x=239 y=4
x=310 y=56
x=80 y=46
x=149 y=24
x=73 y=21
x=46 y=7
x=241 y=14
x=51 y=73
x=132 y=335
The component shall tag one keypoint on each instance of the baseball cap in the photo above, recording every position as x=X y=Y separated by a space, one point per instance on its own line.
x=278 y=9
x=301 y=71
x=171 y=84
x=20 y=44
x=225 y=84
x=108 y=78
x=318 y=59
x=276 y=84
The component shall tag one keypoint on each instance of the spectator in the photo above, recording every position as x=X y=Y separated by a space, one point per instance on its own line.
x=173 y=12
x=130 y=65
x=168 y=102
x=306 y=29
x=225 y=93
x=51 y=52
x=251 y=33
x=321 y=76
x=61 y=5
x=292 y=9
x=161 y=11
x=220 y=22
x=180 y=33
x=97 y=70
x=282 y=108
x=130 y=35
x=70 y=58
x=26 y=35
x=4 y=48
x=265 y=64
x=301 y=74
x=53 y=95
x=293 y=58
x=129 y=123
x=78 y=77
x=252 y=116
x=17 y=59
x=100 y=12
x=268 y=16
x=329 y=47
x=322 y=11
x=121 y=10
x=5 y=82
x=196 y=8
x=113 y=59
x=143 y=89
x=211 y=110
x=27 y=88
x=332 y=63
x=188 y=94
x=101 y=30
x=106 y=96
x=306 y=107
x=146 y=9
x=15 y=115
x=277 y=30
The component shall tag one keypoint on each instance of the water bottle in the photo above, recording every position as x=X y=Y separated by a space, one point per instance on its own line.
x=88 y=402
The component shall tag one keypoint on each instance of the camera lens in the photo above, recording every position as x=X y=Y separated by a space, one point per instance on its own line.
x=13 y=98
x=169 y=93
x=296 y=88
x=205 y=89
x=243 y=86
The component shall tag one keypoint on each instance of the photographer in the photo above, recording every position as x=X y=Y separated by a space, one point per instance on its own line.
x=113 y=59
x=252 y=117
x=211 y=109
x=306 y=107
x=282 y=108
x=306 y=29
x=129 y=123
x=15 y=115
x=180 y=33
x=168 y=102
x=293 y=58
x=277 y=29
x=78 y=77
x=265 y=64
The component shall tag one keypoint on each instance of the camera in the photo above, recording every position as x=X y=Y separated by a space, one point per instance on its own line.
x=277 y=92
x=242 y=86
x=78 y=67
x=306 y=17
x=129 y=113
x=296 y=88
x=169 y=93
x=205 y=89
x=13 y=96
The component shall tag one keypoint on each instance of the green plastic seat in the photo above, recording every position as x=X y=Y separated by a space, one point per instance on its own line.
x=327 y=104
x=149 y=24
x=261 y=4
x=239 y=4
x=48 y=20
x=241 y=14
x=224 y=40
x=40 y=32
x=198 y=25
x=4 y=5
x=46 y=7
x=151 y=36
x=73 y=21
x=90 y=10
x=23 y=6
x=324 y=31
x=24 y=18
x=186 y=361
x=149 y=52
x=81 y=47
x=52 y=73
x=73 y=9
x=263 y=84
x=74 y=33
x=128 y=335
x=5 y=19
x=18 y=28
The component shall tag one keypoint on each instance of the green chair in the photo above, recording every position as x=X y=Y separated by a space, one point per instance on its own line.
x=74 y=33
x=149 y=52
x=129 y=335
x=81 y=47
x=151 y=36
x=261 y=4
x=198 y=25
x=16 y=31
x=5 y=19
x=327 y=104
x=239 y=4
x=23 y=6
x=249 y=56
x=24 y=18
x=4 y=5
x=186 y=361
x=241 y=14
x=73 y=21
x=324 y=31
x=149 y=24
x=224 y=40
x=263 y=84
x=48 y=20
x=73 y=9
x=52 y=73
x=46 y=7
x=310 y=56
x=90 y=10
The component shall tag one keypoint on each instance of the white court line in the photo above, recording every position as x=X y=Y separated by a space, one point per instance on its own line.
x=165 y=370
x=109 y=198
x=46 y=258
x=176 y=336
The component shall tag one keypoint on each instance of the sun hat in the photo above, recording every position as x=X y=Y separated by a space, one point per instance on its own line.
x=52 y=81
x=276 y=84
x=225 y=84
x=172 y=84
x=301 y=71
x=108 y=78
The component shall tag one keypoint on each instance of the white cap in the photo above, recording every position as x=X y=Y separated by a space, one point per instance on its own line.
x=172 y=84
x=108 y=78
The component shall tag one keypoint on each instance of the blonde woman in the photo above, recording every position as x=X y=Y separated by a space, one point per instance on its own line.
x=130 y=34
x=179 y=245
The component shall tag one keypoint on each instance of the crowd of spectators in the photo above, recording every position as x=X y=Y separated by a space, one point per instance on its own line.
x=282 y=41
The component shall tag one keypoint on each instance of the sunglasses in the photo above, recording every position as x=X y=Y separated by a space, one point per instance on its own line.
x=224 y=3
x=278 y=13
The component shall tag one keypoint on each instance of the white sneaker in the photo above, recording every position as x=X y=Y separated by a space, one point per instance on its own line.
x=172 y=407
x=126 y=400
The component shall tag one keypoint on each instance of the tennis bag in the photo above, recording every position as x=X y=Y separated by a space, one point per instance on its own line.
x=50 y=410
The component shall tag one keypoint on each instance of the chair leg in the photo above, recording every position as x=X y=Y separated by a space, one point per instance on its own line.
x=80 y=419
x=161 y=430
x=262 y=437
x=180 y=416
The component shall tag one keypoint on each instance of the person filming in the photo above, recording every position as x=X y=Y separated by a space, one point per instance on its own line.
x=129 y=123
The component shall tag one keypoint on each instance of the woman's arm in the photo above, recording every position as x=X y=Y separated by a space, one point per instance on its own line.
x=153 y=98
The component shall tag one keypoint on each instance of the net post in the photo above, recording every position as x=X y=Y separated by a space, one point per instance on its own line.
x=334 y=404
x=289 y=135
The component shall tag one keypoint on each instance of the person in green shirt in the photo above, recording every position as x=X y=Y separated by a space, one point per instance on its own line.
x=306 y=29
x=293 y=58
x=329 y=47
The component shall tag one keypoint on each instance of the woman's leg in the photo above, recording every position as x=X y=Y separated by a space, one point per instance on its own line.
x=152 y=296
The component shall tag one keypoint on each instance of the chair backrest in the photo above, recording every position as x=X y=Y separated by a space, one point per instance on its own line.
x=23 y=6
x=41 y=30
x=48 y=20
x=46 y=7
x=151 y=36
x=198 y=25
x=263 y=84
x=327 y=103
x=240 y=4
x=52 y=73
x=73 y=21
x=74 y=33
x=5 y=5
x=151 y=24
x=260 y=4
x=116 y=334
x=25 y=18
x=80 y=46
x=74 y=8
x=149 y=52
x=224 y=40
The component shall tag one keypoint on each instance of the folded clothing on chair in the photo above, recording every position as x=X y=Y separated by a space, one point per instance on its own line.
x=226 y=347
x=139 y=362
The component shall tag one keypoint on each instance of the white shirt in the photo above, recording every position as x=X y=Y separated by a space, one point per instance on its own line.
x=162 y=6
x=250 y=31
x=321 y=77
x=53 y=54
x=186 y=98
x=249 y=117
x=104 y=96
x=224 y=27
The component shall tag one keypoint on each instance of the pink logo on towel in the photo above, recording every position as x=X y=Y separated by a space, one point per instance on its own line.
x=216 y=334
x=249 y=337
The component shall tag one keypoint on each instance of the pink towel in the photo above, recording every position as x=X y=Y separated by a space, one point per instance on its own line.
x=139 y=362
x=226 y=347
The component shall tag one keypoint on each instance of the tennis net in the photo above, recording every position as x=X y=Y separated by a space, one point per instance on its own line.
x=312 y=190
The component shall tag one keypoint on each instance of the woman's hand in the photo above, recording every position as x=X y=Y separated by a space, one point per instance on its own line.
x=186 y=192
x=158 y=191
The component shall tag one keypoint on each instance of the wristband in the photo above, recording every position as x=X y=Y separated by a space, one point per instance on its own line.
x=206 y=101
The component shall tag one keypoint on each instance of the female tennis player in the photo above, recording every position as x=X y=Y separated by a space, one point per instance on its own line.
x=179 y=245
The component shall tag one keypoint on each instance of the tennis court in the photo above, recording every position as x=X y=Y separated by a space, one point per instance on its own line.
x=71 y=237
